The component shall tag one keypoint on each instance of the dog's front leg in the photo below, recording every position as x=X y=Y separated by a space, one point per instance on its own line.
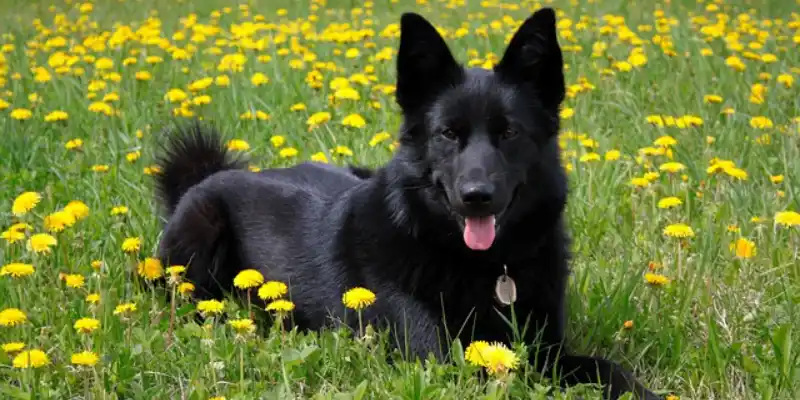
x=616 y=380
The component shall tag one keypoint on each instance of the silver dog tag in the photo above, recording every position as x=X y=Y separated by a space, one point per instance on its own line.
x=505 y=290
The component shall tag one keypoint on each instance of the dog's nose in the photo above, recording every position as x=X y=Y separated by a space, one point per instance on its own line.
x=477 y=194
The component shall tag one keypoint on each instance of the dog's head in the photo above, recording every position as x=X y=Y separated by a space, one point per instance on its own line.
x=474 y=135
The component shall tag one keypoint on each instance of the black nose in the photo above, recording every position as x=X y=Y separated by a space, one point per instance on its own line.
x=477 y=194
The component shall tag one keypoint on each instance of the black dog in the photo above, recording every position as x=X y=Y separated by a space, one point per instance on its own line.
x=475 y=189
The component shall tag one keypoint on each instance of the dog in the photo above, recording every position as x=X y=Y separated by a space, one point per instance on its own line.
x=474 y=195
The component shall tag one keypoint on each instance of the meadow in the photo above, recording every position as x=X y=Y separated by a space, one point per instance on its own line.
x=681 y=135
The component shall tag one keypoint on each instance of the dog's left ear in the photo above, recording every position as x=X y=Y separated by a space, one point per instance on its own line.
x=533 y=58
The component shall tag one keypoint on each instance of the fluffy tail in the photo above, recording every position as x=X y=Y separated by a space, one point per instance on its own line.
x=191 y=154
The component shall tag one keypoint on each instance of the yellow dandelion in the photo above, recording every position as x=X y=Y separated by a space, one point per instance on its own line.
x=679 y=231
x=13 y=347
x=210 y=307
x=175 y=270
x=288 y=152
x=33 y=358
x=242 y=326
x=272 y=290
x=761 y=122
x=16 y=270
x=12 y=317
x=669 y=202
x=58 y=221
x=354 y=120
x=787 y=218
x=75 y=281
x=277 y=141
x=248 y=278
x=24 y=203
x=150 y=269
x=238 y=145
x=85 y=358
x=495 y=357
x=41 y=243
x=124 y=309
x=655 y=279
x=672 y=167
x=86 y=325
x=78 y=209
x=21 y=114
x=358 y=298
x=280 y=306
x=93 y=298
x=743 y=248
x=185 y=288
x=131 y=244
x=120 y=210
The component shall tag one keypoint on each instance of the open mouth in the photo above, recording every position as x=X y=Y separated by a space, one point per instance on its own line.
x=479 y=231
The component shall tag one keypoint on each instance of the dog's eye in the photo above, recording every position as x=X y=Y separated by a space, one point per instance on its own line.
x=509 y=133
x=448 y=133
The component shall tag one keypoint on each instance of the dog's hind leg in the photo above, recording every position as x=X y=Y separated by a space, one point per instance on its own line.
x=198 y=236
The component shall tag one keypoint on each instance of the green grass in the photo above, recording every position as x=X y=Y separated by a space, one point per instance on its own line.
x=724 y=327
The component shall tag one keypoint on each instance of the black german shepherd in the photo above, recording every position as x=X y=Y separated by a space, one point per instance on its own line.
x=475 y=189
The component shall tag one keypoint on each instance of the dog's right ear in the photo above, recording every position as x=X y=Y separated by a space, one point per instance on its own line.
x=425 y=65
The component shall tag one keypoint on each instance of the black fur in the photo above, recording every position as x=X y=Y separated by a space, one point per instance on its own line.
x=473 y=144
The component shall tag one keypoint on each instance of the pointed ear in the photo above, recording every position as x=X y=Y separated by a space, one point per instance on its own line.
x=425 y=65
x=533 y=58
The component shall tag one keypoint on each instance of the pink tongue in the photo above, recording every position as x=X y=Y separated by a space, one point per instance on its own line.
x=479 y=232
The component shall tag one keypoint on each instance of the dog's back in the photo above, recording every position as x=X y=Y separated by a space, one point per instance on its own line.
x=222 y=217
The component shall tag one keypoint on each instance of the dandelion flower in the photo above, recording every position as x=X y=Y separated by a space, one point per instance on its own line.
x=119 y=210
x=277 y=141
x=379 y=138
x=248 y=278
x=41 y=243
x=16 y=270
x=13 y=347
x=358 y=298
x=655 y=279
x=24 y=203
x=474 y=351
x=272 y=290
x=12 y=317
x=131 y=244
x=12 y=236
x=211 y=307
x=93 y=298
x=31 y=359
x=238 y=145
x=672 y=167
x=58 y=221
x=787 y=218
x=318 y=118
x=495 y=357
x=669 y=202
x=21 y=114
x=288 y=152
x=185 y=288
x=75 y=281
x=679 y=231
x=84 y=358
x=150 y=269
x=280 y=306
x=78 y=209
x=354 y=120
x=86 y=325
x=761 y=122
x=743 y=248
x=242 y=326
x=175 y=270
x=125 y=308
